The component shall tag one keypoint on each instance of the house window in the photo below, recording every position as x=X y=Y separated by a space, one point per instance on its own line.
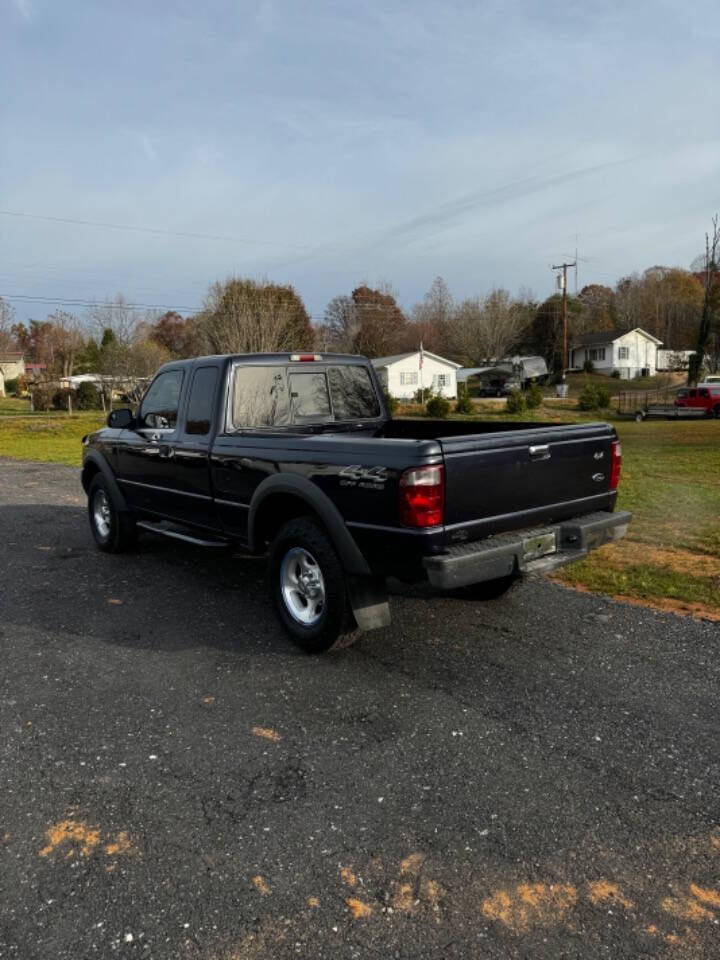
x=623 y=353
x=408 y=379
x=597 y=353
x=441 y=379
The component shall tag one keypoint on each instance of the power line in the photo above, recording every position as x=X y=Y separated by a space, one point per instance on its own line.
x=154 y=230
x=114 y=305
x=108 y=305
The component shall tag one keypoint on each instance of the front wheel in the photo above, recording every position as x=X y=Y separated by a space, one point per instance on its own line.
x=113 y=531
x=307 y=582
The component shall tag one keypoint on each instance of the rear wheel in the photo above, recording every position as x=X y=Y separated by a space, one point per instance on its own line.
x=716 y=412
x=113 y=530
x=307 y=582
x=639 y=416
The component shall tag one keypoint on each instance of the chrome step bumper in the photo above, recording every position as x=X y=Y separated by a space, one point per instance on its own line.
x=534 y=551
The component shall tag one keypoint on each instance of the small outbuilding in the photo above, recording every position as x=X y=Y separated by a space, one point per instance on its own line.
x=404 y=374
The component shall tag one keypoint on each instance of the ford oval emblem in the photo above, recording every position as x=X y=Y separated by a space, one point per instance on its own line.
x=598 y=477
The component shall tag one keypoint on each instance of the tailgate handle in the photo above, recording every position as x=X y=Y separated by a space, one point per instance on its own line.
x=541 y=452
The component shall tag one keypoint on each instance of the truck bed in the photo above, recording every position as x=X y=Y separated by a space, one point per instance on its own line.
x=507 y=475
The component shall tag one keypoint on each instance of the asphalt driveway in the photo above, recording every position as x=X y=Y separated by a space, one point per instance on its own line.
x=535 y=777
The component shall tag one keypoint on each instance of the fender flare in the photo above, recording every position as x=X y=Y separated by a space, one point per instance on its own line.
x=293 y=485
x=96 y=458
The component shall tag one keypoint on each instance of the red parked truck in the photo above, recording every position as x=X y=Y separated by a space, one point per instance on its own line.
x=705 y=397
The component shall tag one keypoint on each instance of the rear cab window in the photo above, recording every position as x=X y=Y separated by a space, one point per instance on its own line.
x=198 y=421
x=282 y=396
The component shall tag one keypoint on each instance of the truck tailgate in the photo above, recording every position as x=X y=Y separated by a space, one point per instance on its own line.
x=505 y=481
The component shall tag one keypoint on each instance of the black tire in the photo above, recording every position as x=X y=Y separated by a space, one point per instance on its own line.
x=329 y=618
x=716 y=412
x=488 y=589
x=115 y=531
x=639 y=416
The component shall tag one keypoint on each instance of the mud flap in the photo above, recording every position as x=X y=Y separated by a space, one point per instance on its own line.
x=369 y=602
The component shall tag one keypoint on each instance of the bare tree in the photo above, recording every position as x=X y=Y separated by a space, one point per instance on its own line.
x=431 y=320
x=249 y=316
x=67 y=341
x=710 y=274
x=341 y=325
x=8 y=341
x=487 y=329
x=117 y=316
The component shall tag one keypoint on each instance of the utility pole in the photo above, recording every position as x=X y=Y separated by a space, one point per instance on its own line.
x=563 y=283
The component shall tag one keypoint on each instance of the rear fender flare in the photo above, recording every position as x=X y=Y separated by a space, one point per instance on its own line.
x=319 y=503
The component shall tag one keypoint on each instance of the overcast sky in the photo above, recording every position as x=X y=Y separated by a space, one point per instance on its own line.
x=326 y=144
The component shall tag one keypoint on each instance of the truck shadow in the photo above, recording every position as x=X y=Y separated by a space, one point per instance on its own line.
x=172 y=596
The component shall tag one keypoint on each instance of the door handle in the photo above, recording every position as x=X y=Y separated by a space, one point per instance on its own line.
x=165 y=452
x=540 y=452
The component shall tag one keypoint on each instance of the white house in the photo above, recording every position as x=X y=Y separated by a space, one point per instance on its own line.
x=633 y=354
x=12 y=366
x=404 y=374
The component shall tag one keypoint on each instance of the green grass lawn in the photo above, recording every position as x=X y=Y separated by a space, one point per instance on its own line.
x=52 y=438
x=670 y=481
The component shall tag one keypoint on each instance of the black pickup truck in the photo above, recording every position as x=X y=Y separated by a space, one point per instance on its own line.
x=295 y=455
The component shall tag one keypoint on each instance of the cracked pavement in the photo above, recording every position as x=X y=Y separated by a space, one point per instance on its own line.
x=534 y=777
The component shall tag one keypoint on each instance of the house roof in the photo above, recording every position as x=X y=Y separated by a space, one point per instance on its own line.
x=607 y=336
x=388 y=361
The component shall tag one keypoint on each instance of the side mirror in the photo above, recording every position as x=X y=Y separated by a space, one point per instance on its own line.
x=120 y=419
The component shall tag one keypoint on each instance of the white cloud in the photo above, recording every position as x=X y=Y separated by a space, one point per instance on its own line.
x=24 y=8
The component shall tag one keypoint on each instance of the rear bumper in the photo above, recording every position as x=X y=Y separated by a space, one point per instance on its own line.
x=525 y=551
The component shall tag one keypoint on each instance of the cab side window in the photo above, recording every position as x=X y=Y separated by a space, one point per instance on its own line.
x=160 y=404
x=202 y=401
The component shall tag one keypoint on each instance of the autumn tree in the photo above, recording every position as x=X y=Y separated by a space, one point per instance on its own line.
x=172 y=332
x=598 y=309
x=253 y=316
x=546 y=331
x=665 y=301
x=381 y=322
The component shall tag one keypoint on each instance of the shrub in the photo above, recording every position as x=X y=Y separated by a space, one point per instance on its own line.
x=533 y=396
x=615 y=374
x=515 y=402
x=594 y=396
x=88 y=396
x=11 y=387
x=589 y=366
x=390 y=402
x=60 y=398
x=463 y=404
x=603 y=396
x=423 y=395
x=42 y=396
x=437 y=407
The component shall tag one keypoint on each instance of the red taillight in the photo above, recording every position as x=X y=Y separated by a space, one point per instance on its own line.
x=422 y=497
x=615 y=464
x=305 y=357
